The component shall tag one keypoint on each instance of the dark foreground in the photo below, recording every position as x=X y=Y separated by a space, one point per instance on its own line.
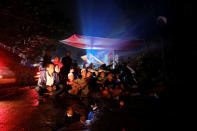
x=22 y=112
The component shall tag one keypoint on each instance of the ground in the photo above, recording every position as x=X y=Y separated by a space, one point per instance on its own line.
x=21 y=112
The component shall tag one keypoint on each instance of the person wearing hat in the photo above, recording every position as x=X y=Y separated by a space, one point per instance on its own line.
x=73 y=87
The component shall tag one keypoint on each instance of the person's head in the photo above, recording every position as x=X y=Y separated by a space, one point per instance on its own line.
x=89 y=74
x=110 y=76
x=69 y=111
x=102 y=75
x=57 y=58
x=91 y=65
x=68 y=53
x=57 y=68
x=71 y=77
x=83 y=73
x=82 y=118
x=50 y=68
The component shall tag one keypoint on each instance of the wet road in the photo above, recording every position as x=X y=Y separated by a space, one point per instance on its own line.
x=21 y=112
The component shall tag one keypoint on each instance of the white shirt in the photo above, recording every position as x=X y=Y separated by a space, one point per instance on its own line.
x=50 y=79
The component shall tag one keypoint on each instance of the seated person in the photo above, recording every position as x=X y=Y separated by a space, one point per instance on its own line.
x=109 y=85
x=48 y=81
x=72 y=86
x=83 y=82
x=72 y=70
x=100 y=81
x=91 y=81
x=79 y=85
x=119 y=87
x=60 y=85
x=89 y=74
x=57 y=62
x=117 y=78
x=116 y=92
x=57 y=68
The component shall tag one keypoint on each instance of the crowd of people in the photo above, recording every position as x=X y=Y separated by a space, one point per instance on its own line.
x=87 y=85
x=102 y=82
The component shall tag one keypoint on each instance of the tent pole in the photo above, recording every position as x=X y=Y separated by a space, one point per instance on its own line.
x=113 y=59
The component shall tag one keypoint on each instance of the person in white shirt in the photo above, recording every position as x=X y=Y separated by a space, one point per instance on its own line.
x=48 y=81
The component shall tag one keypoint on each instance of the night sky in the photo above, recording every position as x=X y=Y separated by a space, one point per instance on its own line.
x=61 y=19
x=123 y=19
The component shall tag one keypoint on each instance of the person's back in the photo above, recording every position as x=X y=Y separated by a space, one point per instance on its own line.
x=67 y=63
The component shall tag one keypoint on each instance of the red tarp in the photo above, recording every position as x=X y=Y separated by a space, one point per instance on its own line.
x=89 y=42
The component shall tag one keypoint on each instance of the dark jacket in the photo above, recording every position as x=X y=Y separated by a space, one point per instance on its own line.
x=67 y=61
x=43 y=78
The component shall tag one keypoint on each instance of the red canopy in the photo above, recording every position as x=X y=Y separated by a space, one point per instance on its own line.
x=89 y=42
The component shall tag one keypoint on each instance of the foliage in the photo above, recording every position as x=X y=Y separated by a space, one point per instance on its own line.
x=30 y=27
x=39 y=44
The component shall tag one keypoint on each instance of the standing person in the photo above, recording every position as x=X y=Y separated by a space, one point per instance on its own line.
x=57 y=61
x=67 y=63
x=47 y=58
x=77 y=70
